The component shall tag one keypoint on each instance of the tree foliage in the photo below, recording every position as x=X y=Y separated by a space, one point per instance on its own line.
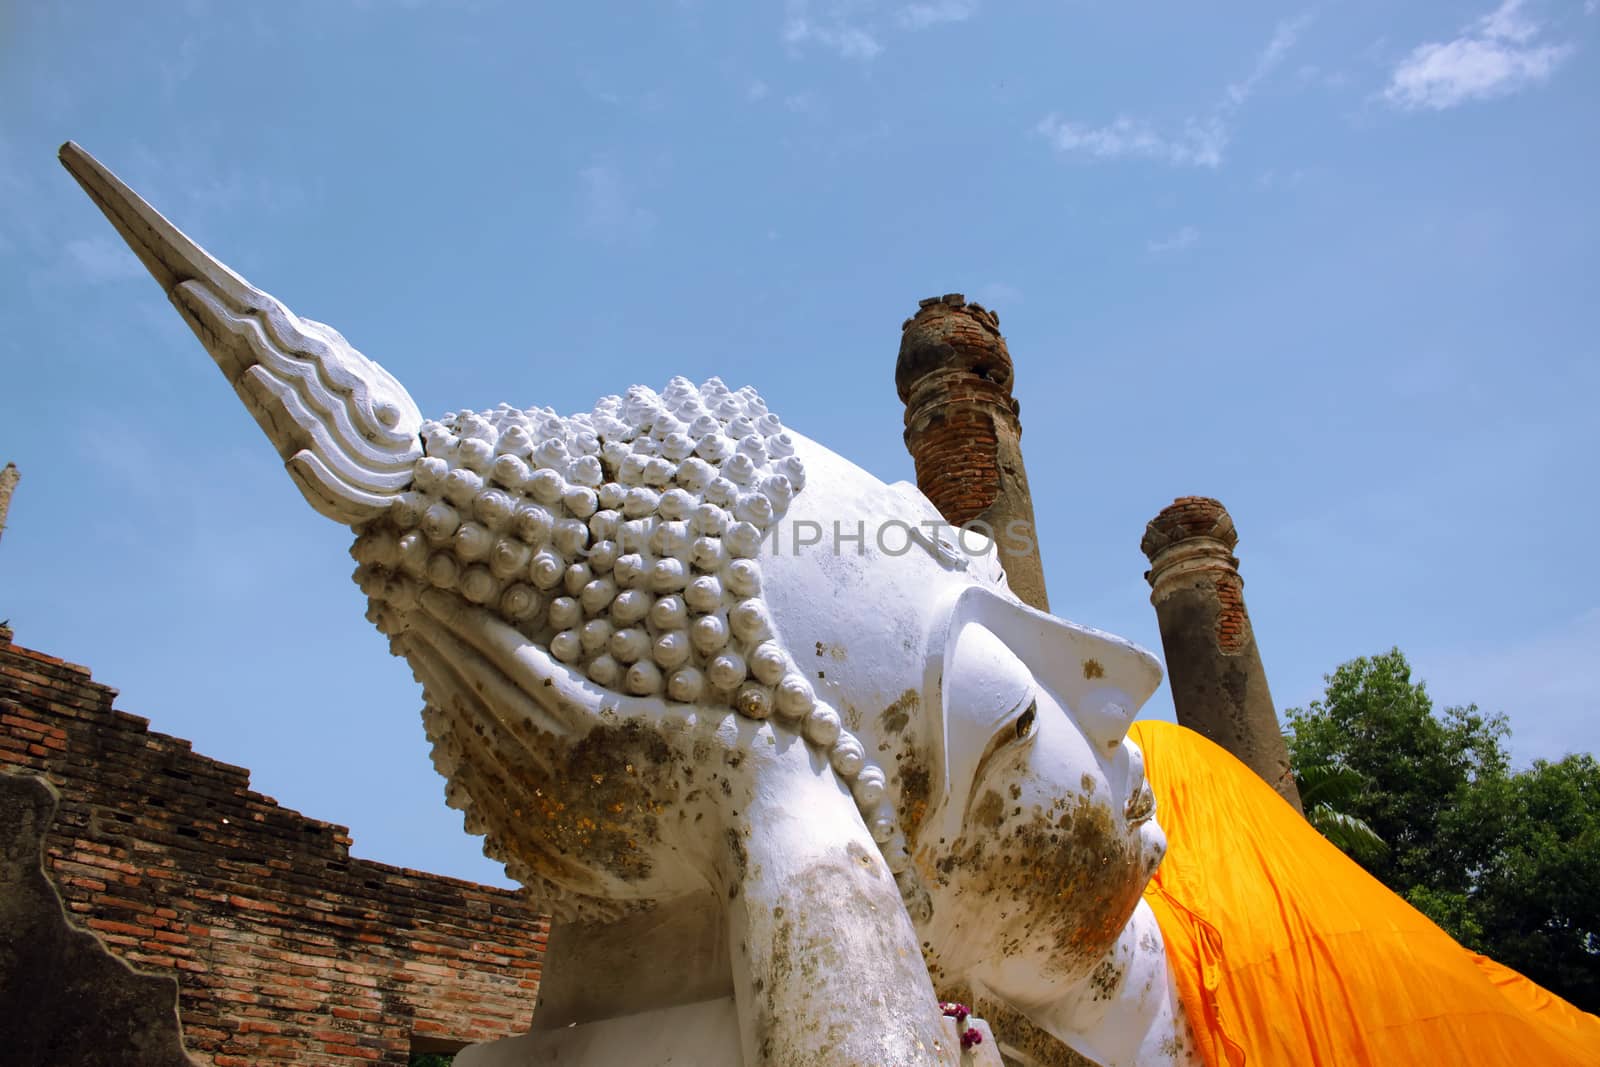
x=1326 y=790
x=1507 y=862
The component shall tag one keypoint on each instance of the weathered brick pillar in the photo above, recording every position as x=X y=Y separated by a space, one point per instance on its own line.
x=954 y=375
x=8 y=485
x=1218 y=685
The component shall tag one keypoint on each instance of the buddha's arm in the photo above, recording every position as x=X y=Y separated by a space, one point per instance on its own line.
x=826 y=964
x=1127 y=1012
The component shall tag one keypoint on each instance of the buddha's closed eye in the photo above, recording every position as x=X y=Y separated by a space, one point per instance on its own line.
x=990 y=712
x=1026 y=721
x=1016 y=729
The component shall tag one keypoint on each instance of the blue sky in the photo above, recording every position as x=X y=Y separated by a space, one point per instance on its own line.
x=1335 y=265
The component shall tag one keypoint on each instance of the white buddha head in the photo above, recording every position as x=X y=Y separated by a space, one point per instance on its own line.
x=611 y=612
x=680 y=555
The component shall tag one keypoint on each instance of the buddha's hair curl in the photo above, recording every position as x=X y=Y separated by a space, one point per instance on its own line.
x=624 y=541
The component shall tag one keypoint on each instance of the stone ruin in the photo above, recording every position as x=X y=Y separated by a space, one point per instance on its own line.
x=286 y=948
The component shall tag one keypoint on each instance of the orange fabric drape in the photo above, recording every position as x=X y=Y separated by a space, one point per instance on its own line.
x=1288 y=953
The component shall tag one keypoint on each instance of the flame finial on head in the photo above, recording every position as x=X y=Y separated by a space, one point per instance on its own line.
x=346 y=430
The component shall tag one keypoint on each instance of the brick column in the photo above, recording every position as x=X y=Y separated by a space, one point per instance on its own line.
x=8 y=485
x=954 y=376
x=1218 y=685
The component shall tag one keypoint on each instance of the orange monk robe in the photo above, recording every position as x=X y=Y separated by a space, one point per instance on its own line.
x=1288 y=953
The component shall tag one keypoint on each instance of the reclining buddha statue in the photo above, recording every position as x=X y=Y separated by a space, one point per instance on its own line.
x=760 y=733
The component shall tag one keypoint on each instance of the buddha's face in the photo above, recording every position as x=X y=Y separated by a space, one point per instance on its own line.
x=1037 y=852
x=1002 y=730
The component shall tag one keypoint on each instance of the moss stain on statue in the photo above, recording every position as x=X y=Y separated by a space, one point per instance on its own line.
x=1063 y=876
x=801 y=961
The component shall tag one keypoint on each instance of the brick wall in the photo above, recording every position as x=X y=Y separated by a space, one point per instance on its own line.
x=954 y=375
x=1202 y=516
x=956 y=449
x=287 y=950
x=1219 y=687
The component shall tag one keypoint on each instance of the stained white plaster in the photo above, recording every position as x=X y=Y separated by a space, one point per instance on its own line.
x=855 y=762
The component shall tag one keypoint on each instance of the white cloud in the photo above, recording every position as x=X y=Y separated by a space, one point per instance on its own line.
x=834 y=30
x=1496 y=55
x=101 y=259
x=1283 y=39
x=607 y=207
x=1198 y=141
x=921 y=16
x=1199 y=144
x=853 y=29
x=757 y=91
x=1185 y=238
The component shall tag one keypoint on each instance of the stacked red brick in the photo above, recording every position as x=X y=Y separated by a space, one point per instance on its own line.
x=954 y=375
x=1219 y=687
x=287 y=949
x=1201 y=516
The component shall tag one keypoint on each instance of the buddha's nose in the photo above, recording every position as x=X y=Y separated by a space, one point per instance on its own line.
x=1100 y=679
x=1115 y=679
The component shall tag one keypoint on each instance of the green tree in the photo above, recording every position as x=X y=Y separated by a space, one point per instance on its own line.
x=1378 y=723
x=1535 y=888
x=1507 y=863
x=1326 y=790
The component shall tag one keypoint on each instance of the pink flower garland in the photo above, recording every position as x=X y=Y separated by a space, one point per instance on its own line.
x=959 y=1013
